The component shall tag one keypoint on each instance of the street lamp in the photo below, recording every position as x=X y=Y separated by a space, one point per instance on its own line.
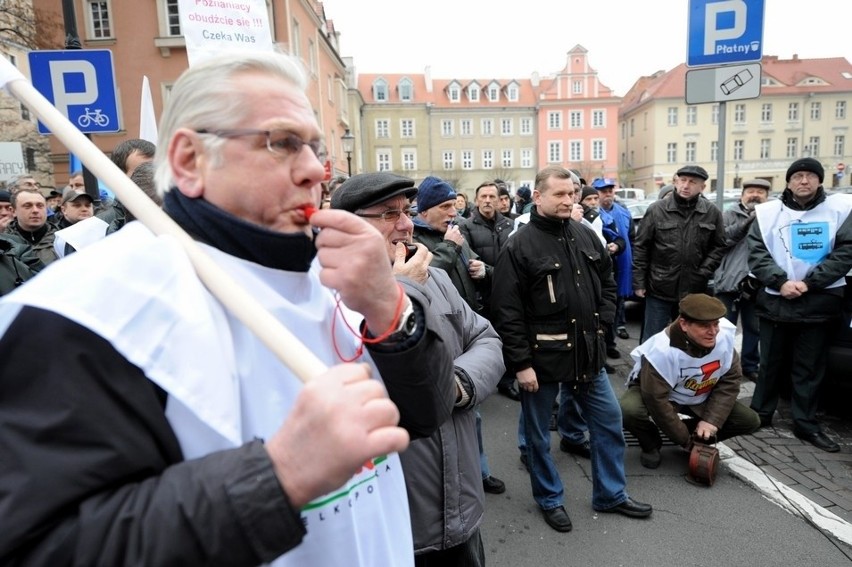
x=347 y=140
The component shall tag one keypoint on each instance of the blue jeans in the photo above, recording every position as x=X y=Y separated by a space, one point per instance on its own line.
x=658 y=315
x=569 y=421
x=603 y=415
x=483 y=458
x=751 y=328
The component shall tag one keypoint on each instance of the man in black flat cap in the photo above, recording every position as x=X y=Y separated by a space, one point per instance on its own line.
x=679 y=245
x=446 y=500
x=800 y=249
x=691 y=368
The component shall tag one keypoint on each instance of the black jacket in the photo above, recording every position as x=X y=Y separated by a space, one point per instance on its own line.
x=553 y=290
x=486 y=238
x=678 y=247
x=819 y=304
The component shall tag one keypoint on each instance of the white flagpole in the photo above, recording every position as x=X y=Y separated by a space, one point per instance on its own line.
x=147 y=116
x=237 y=300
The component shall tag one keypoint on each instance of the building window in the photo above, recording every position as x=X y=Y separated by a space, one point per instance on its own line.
x=312 y=57
x=554 y=120
x=671 y=152
x=598 y=150
x=449 y=159
x=467 y=159
x=30 y=159
x=816 y=111
x=487 y=126
x=793 y=111
x=598 y=119
x=576 y=119
x=672 y=116
x=575 y=149
x=577 y=87
x=473 y=93
x=526 y=126
x=172 y=12
x=380 y=90
x=714 y=114
x=690 y=152
x=454 y=93
x=512 y=93
x=766 y=112
x=714 y=150
x=487 y=159
x=493 y=93
x=839 y=145
x=813 y=146
x=383 y=128
x=383 y=160
x=409 y=160
x=554 y=152
x=506 y=159
x=406 y=90
x=840 y=110
x=296 y=43
x=466 y=127
x=526 y=157
x=506 y=126
x=406 y=128
x=765 y=148
x=99 y=22
x=738 y=150
x=632 y=127
x=792 y=147
x=739 y=114
x=692 y=115
x=446 y=128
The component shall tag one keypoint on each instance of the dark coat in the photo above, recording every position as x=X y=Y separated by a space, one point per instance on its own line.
x=553 y=292
x=678 y=247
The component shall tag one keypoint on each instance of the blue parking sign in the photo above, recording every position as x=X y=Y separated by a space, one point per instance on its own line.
x=81 y=85
x=724 y=31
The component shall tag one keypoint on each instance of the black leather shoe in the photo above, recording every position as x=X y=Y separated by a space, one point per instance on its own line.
x=510 y=392
x=631 y=509
x=557 y=518
x=765 y=421
x=579 y=449
x=622 y=333
x=493 y=485
x=751 y=376
x=524 y=461
x=613 y=352
x=609 y=368
x=819 y=440
x=650 y=459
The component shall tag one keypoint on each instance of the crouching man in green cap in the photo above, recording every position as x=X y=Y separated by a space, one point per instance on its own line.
x=689 y=368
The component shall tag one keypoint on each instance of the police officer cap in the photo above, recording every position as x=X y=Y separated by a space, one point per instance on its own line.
x=701 y=307
x=693 y=171
x=367 y=189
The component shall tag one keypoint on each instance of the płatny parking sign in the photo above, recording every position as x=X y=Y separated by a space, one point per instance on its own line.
x=81 y=85
x=724 y=31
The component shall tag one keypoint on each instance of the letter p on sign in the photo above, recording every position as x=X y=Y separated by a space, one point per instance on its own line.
x=713 y=34
x=62 y=74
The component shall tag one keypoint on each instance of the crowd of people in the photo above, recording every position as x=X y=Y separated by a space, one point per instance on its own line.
x=162 y=431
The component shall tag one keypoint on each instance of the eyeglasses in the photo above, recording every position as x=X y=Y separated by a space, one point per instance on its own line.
x=387 y=216
x=804 y=175
x=279 y=141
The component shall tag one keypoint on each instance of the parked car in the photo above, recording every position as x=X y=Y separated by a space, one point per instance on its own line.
x=624 y=193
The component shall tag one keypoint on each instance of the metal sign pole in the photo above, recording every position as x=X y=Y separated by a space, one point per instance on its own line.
x=720 y=156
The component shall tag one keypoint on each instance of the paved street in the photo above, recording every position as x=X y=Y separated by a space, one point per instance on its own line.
x=744 y=516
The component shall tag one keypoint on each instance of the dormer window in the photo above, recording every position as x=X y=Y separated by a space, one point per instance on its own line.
x=454 y=92
x=493 y=93
x=473 y=93
x=512 y=93
x=380 y=90
x=406 y=90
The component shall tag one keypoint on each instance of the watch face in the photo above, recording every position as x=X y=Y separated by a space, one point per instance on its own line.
x=411 y=323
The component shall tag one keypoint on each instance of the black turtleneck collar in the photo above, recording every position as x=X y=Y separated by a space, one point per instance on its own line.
x=232 y=235
x=547 y=224
x=33 y=237
x=685 y=203
x=790 y=201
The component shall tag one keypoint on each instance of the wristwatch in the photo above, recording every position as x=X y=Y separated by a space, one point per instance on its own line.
x=407 y=324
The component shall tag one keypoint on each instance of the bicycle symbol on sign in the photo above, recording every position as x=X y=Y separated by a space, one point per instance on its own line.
x=93 y=116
